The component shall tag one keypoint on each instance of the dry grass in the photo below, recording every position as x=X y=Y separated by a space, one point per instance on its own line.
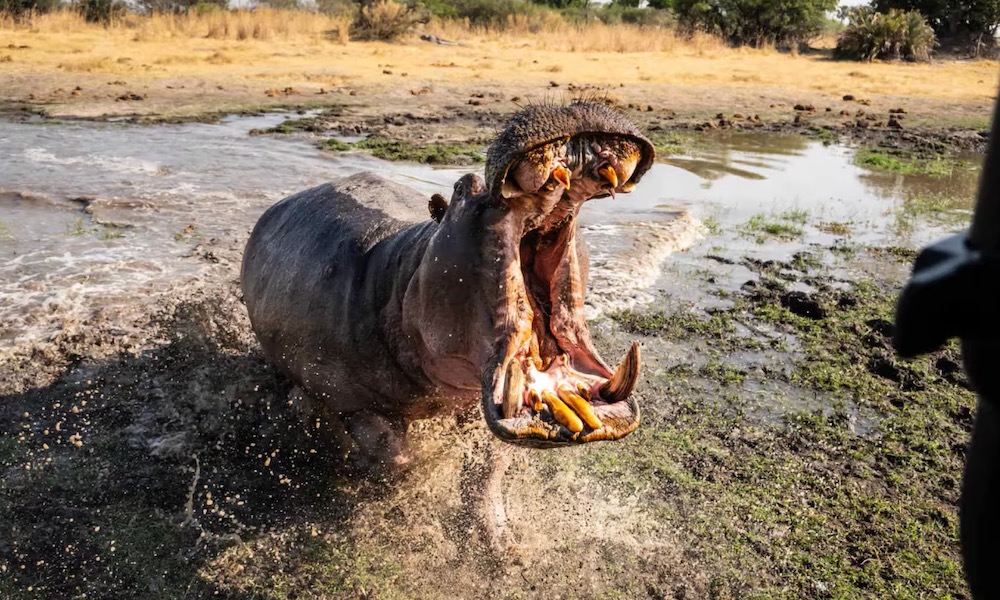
x=559 y=35
x=246 y=52
x=258 y=24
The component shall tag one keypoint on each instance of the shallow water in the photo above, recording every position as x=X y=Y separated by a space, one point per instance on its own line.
x=98 y=215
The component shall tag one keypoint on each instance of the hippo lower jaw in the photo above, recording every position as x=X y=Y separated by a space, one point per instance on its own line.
x=546 y=386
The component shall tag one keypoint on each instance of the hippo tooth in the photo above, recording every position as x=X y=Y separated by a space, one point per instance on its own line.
x=513 y=390
x=628 y=187
x=566 y=417
x=580 y=407
x=536 y=400
x=562 y=175
x=621 y=384
x=508 y=189
x=608 y=172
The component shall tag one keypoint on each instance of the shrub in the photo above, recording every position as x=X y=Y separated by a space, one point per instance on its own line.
x=614 y=14
x=104 y=12
x=896 y=35
x=21 y=9
x=385 y=20
x=755 y=22
x=485 y=13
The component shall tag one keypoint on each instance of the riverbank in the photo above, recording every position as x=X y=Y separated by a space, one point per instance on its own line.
x=156 y=69
x=785 y=452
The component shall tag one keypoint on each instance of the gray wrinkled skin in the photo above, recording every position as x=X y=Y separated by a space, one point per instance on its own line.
x=373 y=310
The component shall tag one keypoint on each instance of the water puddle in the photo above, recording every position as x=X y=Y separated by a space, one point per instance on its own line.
x=96 y=215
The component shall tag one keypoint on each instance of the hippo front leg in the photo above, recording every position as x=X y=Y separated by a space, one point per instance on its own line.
x=381 y=442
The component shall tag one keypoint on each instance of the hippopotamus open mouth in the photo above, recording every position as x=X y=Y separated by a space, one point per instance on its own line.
x=546 y=383
x=384 y=316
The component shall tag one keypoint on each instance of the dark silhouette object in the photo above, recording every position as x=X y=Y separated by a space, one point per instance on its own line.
x=955 y=291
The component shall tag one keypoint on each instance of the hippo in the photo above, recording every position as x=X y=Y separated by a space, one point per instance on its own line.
x=383 y=315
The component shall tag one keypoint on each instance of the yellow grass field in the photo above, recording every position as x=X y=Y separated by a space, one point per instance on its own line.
x=192 y=63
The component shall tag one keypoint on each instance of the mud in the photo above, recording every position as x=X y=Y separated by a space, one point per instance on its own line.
x=148 y=451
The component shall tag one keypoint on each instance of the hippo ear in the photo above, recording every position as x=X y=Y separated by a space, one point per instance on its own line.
x=438 y=206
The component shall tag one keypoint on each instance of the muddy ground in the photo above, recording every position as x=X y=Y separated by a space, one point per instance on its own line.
x=785 y=453
x=433 y=112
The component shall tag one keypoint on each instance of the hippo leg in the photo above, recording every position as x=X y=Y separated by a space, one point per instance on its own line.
x=381 y=442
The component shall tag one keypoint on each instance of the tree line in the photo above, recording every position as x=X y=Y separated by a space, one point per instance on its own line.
x=881 y=29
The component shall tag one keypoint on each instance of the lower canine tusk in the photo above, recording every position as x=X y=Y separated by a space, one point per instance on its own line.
x=513 y=390
x=621 y=384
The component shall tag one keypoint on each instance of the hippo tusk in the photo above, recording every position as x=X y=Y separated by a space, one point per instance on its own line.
x=621 y=384
x=580 y=406
x=562 y=175
x=628 y=187
x=536 y=401
x=513 y=391
x=609 y=173
x=562 y=413
x=508 y=189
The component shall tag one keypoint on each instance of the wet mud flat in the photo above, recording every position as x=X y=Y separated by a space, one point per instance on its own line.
x=148 y=451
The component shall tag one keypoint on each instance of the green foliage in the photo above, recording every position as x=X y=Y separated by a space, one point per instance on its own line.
x=892 y=35
x=886 y=160
x=178 y=6
x=621 y=12
x=755 y=22
x=104 y=12
x=336 y=7
x=483 y=13
x=563 y=3
x=951 y=17
x=19 y=9
x=385 y=20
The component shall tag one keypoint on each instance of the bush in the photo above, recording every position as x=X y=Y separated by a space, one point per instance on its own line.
x=104 y=12
x=614 y=14
x=896 y=35
x=385 y=20
x=485 y=13
x=21 y=9
x=952 y=18
x=755 y=22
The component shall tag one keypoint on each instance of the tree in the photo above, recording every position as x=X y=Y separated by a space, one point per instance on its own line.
x=755 y=22
x=22 y=8
x=951 y=18
x=563 y=3
x=661 y=4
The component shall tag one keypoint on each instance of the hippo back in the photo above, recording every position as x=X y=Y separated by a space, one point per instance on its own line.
x=310 y=293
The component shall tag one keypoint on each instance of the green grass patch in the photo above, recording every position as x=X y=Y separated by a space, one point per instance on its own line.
x=879 y=159
x=335 y=145
x=673 y=143
x=783 y=226
x=812 y=506
x=712 y=225
x=458 y=153
x=435 y=153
